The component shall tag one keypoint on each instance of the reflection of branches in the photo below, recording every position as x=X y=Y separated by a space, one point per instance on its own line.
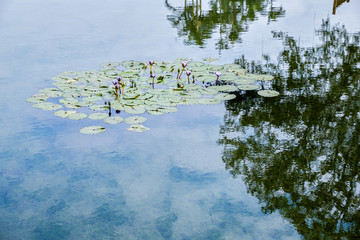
x=229 y=18
x=299 y=154
x=337 y=4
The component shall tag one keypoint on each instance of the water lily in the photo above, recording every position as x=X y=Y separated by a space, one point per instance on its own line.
x=188 y=73
x=218 y=74
x=114 y=82
x=151 y=63
x=183 y=64
x=119 y=79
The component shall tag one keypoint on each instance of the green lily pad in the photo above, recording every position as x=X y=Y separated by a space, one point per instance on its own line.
x=77 y=116
x=37 y=98
x=98 y=116
x=135 y=120
x=262 y=77
x=224 y=88
x=92 y=130
x=135 y=109
x=225 y=96
x=249 y=87
x=48 y=106
x=209 y=101
x=113 y=120
x=62 y=113
x=268 y=93
x=99 y=107
x=209 y=59
x=110 y=65
x=138 y=128
x=216 y=68
x=244 y=81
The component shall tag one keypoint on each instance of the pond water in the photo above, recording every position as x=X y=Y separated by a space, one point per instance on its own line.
x=249 y=168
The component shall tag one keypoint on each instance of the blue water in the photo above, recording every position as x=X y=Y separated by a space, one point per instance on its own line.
x=166 y=183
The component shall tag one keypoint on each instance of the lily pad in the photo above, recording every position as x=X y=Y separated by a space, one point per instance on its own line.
x=225 y=96
x=262 y=77
x=77 y=116
x=48 y=106
x=99 y=107
x=138 y=128
x=98 y=116
x=113 y=120
x=135 y=109
x=92 y=130
x=135 y=120
x=249 y=87
x=37 y=99
x=209 y=101
x=62 y=113
x=268 y=93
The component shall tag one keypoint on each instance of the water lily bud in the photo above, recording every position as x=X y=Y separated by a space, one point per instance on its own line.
x=183 y=64
x=218 y=74
x=119 y=78
x=114 y=82
x=188 y=73
x=153 y=75
x=151 y=62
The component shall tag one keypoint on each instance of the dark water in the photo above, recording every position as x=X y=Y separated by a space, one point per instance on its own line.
x=251 y=168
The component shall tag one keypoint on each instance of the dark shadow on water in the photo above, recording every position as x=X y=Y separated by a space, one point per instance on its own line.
x=299 y=153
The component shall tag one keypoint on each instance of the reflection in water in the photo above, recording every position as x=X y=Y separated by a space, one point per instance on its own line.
x=337 y=3
x=299 y=154
x=228 y=18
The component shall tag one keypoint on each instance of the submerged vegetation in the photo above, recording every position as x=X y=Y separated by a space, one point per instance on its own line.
x=136 y=88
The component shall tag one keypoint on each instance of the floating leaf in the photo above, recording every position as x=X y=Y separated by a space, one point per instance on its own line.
x=249 y=87
x=38 y=98
x=244 y=81
x=224 y=96
x=264 y=77
x=77 y=116
x=48 y=106
x=113 y=120
x=62 y=113
x=135 y=120
x=99 y=107
x=268 y=93
x=134 y=109
x=189 y=101
x=209 y=101
x=92 y=130
x=98 y=116
x=110 y=65
x=209 y=59
x=138 y=128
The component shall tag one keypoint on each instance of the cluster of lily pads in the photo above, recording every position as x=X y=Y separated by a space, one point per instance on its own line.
x=136 y=87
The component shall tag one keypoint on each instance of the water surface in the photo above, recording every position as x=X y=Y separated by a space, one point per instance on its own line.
x=176 y=181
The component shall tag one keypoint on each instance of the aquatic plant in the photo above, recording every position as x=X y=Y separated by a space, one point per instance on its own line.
x=188 y=73
x=151 y=63
x=218 y=74
x=134 y=92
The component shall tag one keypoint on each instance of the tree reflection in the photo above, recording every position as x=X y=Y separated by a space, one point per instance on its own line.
x=299 y=154
x=228 y=18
